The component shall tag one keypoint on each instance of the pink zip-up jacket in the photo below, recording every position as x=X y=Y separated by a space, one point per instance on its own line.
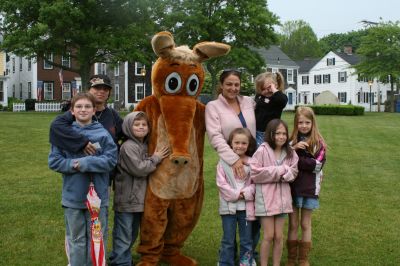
x=221 y=119
x=272 y=181
x=229 y=193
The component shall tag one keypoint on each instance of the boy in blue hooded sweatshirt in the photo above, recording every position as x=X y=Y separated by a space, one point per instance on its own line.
x=78 y=170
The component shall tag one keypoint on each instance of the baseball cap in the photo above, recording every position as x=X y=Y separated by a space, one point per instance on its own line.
x=100 y=80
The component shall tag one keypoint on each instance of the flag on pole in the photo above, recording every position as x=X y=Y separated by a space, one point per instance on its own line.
x=39 y=91
x=60 y=75
x=74 y=88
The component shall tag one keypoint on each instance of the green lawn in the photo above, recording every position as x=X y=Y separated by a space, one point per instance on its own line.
x=357 y=224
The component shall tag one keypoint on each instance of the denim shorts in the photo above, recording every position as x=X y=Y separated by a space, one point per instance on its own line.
x=306 y=203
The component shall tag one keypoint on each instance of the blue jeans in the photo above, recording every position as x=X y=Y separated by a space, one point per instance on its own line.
x=255 y=235
x=227 y=249
x=77 y=225
x=125 y=232
x=259 y=138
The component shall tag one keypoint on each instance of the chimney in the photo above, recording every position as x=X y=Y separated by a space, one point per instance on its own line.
x=348 y=49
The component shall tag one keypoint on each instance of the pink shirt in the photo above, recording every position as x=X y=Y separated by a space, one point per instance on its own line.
x=221 y=119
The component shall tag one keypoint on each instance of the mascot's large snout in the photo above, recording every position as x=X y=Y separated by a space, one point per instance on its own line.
x=179 y=125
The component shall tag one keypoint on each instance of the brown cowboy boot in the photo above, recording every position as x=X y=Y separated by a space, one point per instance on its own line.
x=292 y=252
x=304 y=250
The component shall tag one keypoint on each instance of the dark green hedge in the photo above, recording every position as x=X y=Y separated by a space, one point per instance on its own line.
x=331 y=109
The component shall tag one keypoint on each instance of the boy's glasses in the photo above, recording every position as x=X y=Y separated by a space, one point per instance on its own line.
x=81 y=106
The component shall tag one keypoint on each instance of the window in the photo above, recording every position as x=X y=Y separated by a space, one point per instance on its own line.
x=317 y=79
x=20 y=64
x=13 y=64
x=1 y=91
x=290 y=75
x=314 y=96
x=369 y=96
x=116 y=70
x=330 y=61
x=305 y=99
x=290 y=98
x=342 y=97
x=304 y=80
x=66 y=91
x=362 y=78
x=139 y=91
x=20 y=91
x=327 y=78
x=66 y=60
x=116 y=95
x=342 y=76
x=101 y=68
x=48 y=90
x=29 y=90
x=47 y=57
x=13 y=90
x=29 y=64
x=274 y=70
x=138 y=68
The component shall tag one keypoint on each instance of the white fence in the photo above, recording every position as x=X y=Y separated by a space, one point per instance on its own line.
x=18 y=107
x=47 y=107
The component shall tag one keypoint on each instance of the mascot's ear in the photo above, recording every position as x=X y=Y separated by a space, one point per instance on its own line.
x=207 y=50
x=162 y=43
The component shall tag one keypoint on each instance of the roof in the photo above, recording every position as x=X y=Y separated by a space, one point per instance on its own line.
x=352 y=59
x=274 y=56
x=306 y=64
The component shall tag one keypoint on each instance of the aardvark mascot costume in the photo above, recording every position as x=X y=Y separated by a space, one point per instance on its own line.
x=174 y=195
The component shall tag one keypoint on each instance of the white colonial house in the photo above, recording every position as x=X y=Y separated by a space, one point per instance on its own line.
x=335 y=72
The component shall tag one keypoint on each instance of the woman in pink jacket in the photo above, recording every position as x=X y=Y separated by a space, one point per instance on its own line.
x=229 y=111
x=273 y=166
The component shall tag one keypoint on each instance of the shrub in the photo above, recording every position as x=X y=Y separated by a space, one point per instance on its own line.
x=1 y=107
x=30 y=104
x=12 y=100
x=331 y=109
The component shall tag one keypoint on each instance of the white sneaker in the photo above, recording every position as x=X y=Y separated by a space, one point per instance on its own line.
x=254 y=263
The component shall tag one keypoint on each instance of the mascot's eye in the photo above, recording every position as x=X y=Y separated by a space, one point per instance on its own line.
x=173 y=83
x=192 y=85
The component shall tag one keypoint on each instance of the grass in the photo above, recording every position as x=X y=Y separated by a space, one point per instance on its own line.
x=357 y=224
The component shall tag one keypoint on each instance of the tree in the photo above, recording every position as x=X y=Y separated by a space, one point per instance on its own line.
x=336 y=41
x=380 y=49
x=242 y=24
x=90 y=31
x=299 y=41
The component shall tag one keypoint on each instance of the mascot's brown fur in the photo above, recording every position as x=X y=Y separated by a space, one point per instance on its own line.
x=174 y=195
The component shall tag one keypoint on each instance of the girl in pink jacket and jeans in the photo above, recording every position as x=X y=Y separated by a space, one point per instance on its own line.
x=273 y=166
x=236 y=201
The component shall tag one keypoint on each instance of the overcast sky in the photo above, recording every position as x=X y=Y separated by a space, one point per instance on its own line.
x=335 y=16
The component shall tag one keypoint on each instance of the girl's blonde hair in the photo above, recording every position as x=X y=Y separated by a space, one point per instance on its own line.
x=315 y=139
x=245 y=131
x=276 y=78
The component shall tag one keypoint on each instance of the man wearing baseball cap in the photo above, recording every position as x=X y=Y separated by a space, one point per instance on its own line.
x=63 y=136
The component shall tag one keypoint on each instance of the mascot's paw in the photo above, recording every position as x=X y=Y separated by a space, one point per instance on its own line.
x=179 y=260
